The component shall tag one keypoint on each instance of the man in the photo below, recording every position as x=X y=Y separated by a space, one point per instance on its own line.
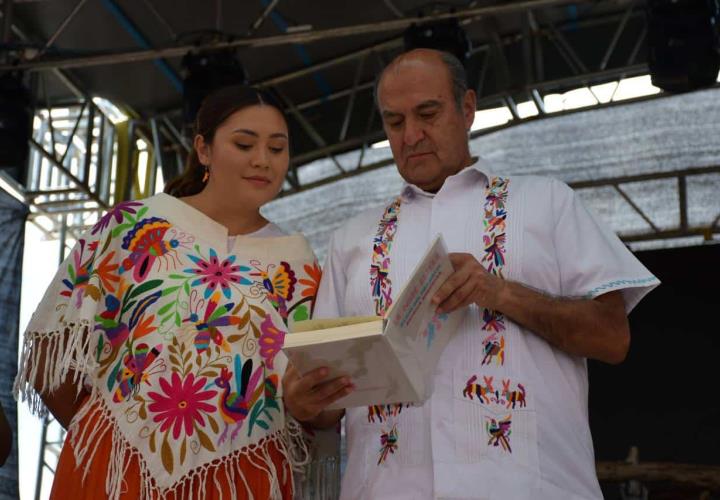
x=546 y=287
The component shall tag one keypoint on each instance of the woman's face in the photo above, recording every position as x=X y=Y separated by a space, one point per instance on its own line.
x=248 y=156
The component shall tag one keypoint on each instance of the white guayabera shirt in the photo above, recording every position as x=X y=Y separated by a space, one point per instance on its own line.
x=509 y=415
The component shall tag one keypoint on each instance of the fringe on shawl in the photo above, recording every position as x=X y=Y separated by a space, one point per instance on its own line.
x=84 y=441
x=67 y=353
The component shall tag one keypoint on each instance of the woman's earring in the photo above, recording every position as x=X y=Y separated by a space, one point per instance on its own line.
x=207 y=174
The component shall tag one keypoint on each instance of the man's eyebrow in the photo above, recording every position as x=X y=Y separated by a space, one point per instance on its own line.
x=390 y=114
x=428 y=104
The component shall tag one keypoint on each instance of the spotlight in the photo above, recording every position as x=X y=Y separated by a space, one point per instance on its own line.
x=15 y=126
x=447 y=36
x=683 y=43
x=442 y=35
x=206 y=72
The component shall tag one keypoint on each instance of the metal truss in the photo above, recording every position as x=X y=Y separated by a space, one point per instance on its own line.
x=305 y=36
x=81 y=163
x=539 y=38
x=683 y=229
x=494 y=59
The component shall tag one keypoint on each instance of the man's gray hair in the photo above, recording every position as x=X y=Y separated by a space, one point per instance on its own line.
x=456 y=70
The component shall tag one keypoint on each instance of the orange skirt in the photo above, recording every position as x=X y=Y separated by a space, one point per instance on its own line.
x=69 y=483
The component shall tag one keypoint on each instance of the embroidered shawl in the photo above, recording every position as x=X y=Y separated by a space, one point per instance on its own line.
x=176 y=339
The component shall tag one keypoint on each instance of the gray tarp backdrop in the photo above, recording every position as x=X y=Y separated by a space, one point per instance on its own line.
x=658 y=135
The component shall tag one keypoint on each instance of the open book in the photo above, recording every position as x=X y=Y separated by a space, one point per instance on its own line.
x=391 y=359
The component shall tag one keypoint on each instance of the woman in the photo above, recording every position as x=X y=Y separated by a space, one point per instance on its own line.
x=157 y=342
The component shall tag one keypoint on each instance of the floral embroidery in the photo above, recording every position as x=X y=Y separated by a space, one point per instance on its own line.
x=499 y=432
x=182 y=404
x=312 y=283
x=380 y=283
x=388 y=444
x=271 y=340
x=214 y=273
x=79 y=273
x=182 y=341
x=118 y=213
x=118 y=332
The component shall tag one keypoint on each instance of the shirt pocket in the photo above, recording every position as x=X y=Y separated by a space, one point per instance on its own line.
x=494 y=419
x=402 y=429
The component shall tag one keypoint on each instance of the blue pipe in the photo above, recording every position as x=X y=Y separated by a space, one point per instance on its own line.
x=143 y=42
x=320 y=81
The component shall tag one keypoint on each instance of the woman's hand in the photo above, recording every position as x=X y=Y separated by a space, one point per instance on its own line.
x=307 y=396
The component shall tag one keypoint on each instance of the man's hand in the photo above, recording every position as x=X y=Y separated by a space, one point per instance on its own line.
x=470 y=283
x=592 y=328
x=306 y=397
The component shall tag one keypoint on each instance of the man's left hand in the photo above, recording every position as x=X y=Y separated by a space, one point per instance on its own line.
x=470 y=283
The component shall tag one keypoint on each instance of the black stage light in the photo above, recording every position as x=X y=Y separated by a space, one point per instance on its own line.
x=15 y=125
x=442 y=35
x=447 y=36
x=206 y=72
x=683 y=43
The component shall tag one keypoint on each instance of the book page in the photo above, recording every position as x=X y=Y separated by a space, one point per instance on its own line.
x=369 y=362
x=413 y=318
x=325 y=323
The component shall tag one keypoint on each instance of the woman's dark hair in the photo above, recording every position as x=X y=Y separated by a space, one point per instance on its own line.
x=214 y=110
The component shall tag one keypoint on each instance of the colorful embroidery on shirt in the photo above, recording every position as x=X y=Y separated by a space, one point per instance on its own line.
x=499 y=432
x=485 y=393
x=493 y=349
x=380 y=283
x=614 y=284
x=383 y=412
x=388 y=444
x=516 y=397
x=381 y=289
x=435 y=325
x=494 y=241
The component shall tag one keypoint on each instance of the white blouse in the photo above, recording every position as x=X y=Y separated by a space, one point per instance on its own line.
x=510 y=427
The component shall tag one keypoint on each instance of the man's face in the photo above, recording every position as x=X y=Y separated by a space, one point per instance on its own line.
x=426 y=130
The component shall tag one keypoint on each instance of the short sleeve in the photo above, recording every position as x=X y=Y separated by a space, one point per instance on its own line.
x=591 y=258
x=331 y=294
